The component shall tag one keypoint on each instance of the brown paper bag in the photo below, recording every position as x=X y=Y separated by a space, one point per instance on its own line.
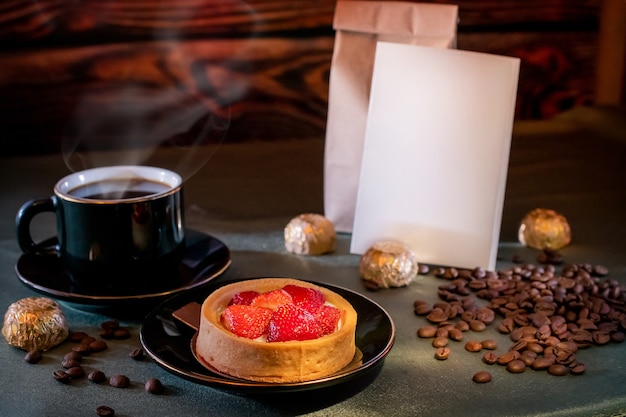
x=359 y=25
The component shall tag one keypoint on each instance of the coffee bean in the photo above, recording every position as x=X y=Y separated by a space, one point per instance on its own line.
x=440 y=342
x=154 y=386
x=442 y=332
x=110 y=324
x=600 y=338
x=462 y=325
x=98 y=346
x=519 y=346
x=600 y=270
x=105 y=411
x=516 y=366
x=542 y=362
x=534 y=347
x=87 y=340
x=427 y=332
x=517 y=259
x=437 y=315
x=33 y=356
x=121 y=333
x=107 y=333
x=138 y=354
x=577 y=368
x=82 y=349
x=489 y=344
x=421 y=307
x=76 y=372
x=76 y=337
x=507 y=357
x=486 y=315
x=75 y=356
x=455 y=334
x=119 y=381
x=490 y=358
x=506 y=326
x=477 y=325
x=473 y=346
x=70 y=363
x=62 y=376
x=442 y=353
x=618 y=337
x=557 y=370
x=97 y=377
x=528 y=359
x=481 y=377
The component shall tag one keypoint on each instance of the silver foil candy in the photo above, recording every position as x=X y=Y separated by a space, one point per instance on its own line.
x=310 y=234
x=388 y=264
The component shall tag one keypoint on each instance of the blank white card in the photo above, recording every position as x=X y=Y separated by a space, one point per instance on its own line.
x=436 y=153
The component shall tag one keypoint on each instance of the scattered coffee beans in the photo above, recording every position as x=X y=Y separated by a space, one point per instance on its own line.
x=548 y=314
x=85 y=345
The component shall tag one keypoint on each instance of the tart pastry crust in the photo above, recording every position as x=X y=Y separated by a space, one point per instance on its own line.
x=280 y=362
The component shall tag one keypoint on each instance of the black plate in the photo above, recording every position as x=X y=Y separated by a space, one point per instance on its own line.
x=168 y=342
x=205 y=258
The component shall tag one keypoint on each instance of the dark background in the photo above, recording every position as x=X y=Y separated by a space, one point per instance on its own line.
x=92 y=68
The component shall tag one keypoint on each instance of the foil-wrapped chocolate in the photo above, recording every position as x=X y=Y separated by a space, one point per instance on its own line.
x=388 y=264
x=310 y=234
x=35 y=323
x=544 y=229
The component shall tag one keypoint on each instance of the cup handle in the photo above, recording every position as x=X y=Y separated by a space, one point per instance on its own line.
x=22 y=221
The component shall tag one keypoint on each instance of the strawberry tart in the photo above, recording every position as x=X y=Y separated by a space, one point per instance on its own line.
x=276 y=330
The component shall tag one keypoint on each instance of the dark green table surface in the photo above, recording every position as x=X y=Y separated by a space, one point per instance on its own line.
x=247 y=193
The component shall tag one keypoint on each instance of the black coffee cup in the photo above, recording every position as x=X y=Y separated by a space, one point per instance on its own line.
x=120 y=228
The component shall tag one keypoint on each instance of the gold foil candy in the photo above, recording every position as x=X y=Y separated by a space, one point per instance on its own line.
x=544 y=229
x=310 y=234
x=34 y=323
x=388 y=264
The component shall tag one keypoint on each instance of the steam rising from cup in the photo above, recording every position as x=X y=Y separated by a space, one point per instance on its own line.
x=158 y=95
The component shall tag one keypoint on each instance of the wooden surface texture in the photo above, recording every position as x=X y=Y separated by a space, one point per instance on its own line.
x=71 y=69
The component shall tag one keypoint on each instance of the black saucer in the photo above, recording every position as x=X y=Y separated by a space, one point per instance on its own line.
x=205 y=258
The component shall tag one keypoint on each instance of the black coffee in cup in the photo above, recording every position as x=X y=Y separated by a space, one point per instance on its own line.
x=120 y=229
x=119 y=189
